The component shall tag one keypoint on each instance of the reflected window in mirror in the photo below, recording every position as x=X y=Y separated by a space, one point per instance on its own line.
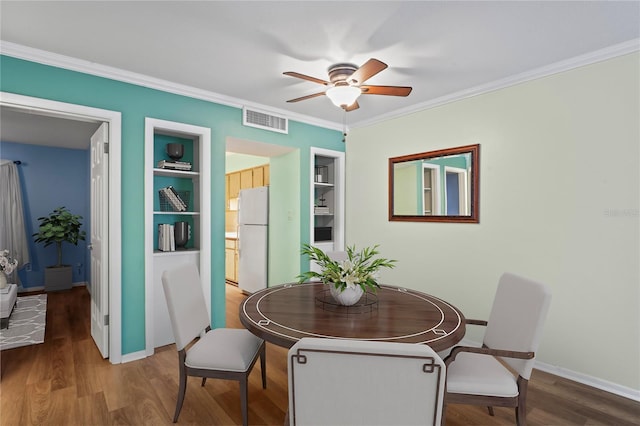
x=435 y=186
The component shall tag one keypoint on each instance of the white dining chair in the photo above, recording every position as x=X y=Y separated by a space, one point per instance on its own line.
x=355 y=382
x=497 y=373
x=222 y=353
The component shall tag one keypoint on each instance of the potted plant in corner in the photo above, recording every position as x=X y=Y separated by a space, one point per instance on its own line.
x=59 y=227
x=347 y=279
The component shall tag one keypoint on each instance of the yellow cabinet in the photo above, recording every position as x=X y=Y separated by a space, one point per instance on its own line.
x=258 y=176
x=234 y=184
x=246 y=179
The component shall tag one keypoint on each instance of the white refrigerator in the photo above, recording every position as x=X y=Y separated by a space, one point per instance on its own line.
x=253 y=238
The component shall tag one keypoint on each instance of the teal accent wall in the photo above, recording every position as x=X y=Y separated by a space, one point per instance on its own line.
x=135 y=103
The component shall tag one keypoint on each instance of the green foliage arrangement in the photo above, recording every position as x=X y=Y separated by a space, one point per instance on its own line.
x=59 y=227
x=361 y=268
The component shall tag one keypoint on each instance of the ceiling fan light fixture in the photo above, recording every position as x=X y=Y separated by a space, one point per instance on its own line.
x=343 y=96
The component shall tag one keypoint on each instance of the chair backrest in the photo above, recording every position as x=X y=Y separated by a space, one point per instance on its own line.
x=517 y=318
x=352 y=382
x=185 y=301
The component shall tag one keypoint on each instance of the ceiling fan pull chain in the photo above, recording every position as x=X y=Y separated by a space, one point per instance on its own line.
x=344 y=126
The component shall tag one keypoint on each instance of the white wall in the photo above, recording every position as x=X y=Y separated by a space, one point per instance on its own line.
x=559 y=193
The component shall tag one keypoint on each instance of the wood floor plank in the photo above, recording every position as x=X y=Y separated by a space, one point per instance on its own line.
x=92 y=410
x=65 y=381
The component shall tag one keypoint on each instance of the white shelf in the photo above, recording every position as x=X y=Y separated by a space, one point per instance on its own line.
x=329 y=194
x=157 y=325
x=177 y=213
x=175 y=173
x=174 y=253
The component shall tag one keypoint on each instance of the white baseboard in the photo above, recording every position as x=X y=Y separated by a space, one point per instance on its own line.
x=133 y=356
x=594 y=382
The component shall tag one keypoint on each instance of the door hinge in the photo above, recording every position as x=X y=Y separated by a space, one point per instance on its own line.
x=106 y=320
x=106 y=147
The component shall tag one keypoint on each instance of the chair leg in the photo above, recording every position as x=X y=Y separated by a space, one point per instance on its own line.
x=244 y=395
x=181 y=392
x=204 y=380
x=263 y=366
x=521 y=409
x=491 y=413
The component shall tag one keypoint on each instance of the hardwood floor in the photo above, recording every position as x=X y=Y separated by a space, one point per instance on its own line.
x=64 y=381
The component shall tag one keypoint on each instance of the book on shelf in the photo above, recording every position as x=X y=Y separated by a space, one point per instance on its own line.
x=173 y=198
x=174 y=165
x=166 y=238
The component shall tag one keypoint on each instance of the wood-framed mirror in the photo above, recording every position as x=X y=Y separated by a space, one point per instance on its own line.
x=436 y=186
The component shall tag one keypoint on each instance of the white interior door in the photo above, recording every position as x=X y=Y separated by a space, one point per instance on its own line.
x=98 y=245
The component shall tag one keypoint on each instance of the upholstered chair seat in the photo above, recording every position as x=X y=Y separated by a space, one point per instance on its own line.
x=480 y=375
x=224 y=349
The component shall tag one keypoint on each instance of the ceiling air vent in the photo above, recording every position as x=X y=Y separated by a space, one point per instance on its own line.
x=261 y=120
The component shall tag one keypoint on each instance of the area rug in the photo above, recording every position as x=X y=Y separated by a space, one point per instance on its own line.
x=26 y=323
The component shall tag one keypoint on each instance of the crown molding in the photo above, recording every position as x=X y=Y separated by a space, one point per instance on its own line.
x=610 y=52
x=73 y=64
x=92 y=68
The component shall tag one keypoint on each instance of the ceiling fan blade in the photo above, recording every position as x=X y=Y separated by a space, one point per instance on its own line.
x=366 y=71
x=386 y=90
x=352 y=107
x=304 y=98
x=306 y=77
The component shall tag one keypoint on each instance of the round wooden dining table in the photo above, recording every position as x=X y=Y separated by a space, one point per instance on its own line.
x=286 y=313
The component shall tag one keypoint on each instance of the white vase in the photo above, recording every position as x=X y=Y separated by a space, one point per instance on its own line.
x=3 y=280
x=347 y=297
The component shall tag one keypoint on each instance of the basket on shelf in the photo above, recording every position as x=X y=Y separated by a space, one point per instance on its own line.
x=174 y=200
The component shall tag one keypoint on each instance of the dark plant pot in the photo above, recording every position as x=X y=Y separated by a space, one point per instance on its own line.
x=58 y=278
x=175 y=151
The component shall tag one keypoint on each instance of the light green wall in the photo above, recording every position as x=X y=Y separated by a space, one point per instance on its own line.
x=284 y=218
x=237 y=161
x=559 y=203
x=135 y=103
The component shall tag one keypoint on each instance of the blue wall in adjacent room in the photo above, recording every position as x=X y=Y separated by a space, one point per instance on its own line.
x=51 y=178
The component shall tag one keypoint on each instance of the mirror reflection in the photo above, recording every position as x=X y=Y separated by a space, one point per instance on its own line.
x=435 y=186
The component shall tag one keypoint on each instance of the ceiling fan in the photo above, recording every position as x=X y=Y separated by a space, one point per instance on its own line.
x=345 y=84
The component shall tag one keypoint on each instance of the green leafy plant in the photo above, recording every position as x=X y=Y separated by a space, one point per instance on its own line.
x=361 y=268
x=59 y=227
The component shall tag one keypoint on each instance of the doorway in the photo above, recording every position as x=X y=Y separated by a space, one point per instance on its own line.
x=284 y=205
x=111 y=259
x=456 y=191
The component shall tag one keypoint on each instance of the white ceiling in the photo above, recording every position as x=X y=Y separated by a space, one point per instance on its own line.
x=237 y=50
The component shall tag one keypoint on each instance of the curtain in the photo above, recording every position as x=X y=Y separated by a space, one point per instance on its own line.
x=13 y=235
